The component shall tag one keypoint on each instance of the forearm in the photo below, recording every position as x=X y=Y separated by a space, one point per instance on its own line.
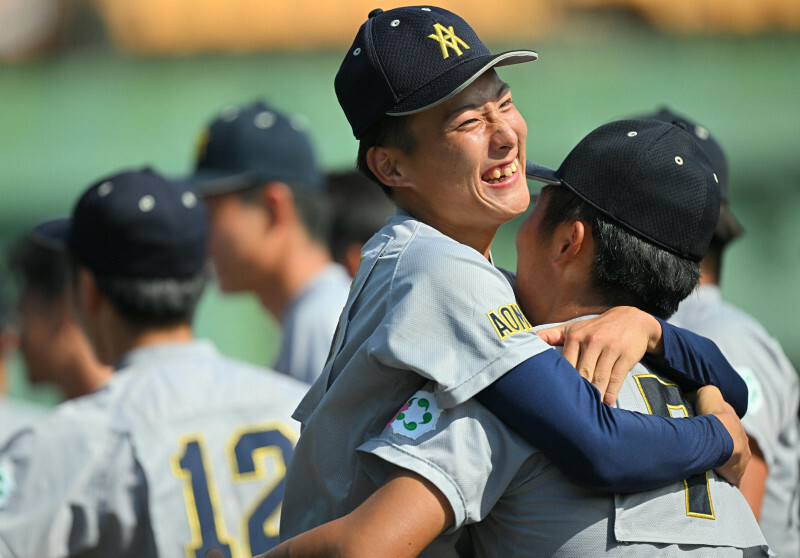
x=375 y=528
x=595 y=445
x=693 y=361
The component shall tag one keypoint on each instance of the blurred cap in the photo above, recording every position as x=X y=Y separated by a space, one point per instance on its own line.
x=728 y=227
x=409 y=59
x=135 y=224
x=250 y=145
x=648 y=176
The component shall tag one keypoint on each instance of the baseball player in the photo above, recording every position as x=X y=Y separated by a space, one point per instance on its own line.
x=55 y=349
x=270 y=225
x=427 y=304
x=183 y=449
x=579 y=252
x=771 y=482
x=14 y=413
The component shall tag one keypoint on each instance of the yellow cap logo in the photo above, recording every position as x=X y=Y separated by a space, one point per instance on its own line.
x=202 y=144
x=447 y=38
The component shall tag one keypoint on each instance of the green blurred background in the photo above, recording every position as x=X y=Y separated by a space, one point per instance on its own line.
x=90 y=109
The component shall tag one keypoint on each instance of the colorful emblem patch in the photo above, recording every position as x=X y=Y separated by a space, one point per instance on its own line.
x=755 y=398
x=508 y=320
x=7 y=484
x=416 y=417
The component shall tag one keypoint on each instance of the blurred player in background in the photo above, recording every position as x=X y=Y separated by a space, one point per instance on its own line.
x=182 y=449
x=270 y=224
x=14 y=413
x=55 y=349
x=771 y=482
x=360 y=210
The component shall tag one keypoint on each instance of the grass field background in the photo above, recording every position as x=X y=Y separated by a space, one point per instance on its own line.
x=90 y=110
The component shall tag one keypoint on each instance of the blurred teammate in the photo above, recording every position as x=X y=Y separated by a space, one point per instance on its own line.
x=270 y=224
x=771 y=482
x=360 y=209
x=54 y=347
x=182 y=449
x=439 y=130
x=14 y=413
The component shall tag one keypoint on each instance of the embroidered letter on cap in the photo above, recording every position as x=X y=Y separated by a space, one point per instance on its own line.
x=447 y=38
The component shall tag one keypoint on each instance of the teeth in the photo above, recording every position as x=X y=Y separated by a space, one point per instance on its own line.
x=494 y=176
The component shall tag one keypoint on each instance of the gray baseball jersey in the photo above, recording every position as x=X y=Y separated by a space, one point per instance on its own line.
x=16 y=413
x=309 y=323
x=422 y=307
x=771 y=417
x=182 y=450
x=519 y=504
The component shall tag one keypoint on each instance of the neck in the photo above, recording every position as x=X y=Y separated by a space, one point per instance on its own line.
x=125 y=339
x=300 y=263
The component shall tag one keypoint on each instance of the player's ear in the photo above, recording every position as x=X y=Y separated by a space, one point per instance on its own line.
x=570 y=242
x=387 y=164
x=278 y=200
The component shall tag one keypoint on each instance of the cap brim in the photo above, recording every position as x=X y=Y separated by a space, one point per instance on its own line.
x=542 y=174
x=212 y=183
x=52 y=234
x=454 y=81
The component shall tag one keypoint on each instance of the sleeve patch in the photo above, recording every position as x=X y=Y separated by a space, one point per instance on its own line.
x=508 y=320
x=416 y=417
x=7 y=483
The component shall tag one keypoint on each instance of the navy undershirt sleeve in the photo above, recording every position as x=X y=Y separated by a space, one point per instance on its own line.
x=693 y=361
x=550 y=405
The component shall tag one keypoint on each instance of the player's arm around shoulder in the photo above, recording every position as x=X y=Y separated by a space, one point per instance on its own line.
x=376 y=528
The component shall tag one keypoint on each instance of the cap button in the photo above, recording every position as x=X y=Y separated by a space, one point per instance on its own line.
x=374 y=12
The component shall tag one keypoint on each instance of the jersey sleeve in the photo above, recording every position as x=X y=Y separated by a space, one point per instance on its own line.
x=693 y=361
x=465 y=451
x=452 y=318
x=549 y=404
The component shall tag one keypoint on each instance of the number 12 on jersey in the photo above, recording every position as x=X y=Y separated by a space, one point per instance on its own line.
x=247 y=452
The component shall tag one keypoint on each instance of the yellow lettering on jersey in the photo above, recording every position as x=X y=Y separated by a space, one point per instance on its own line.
x=508 y=320
x=192 y=466
x=655 y=393
x=270 y=453
x=689 y=511
x=447 y=38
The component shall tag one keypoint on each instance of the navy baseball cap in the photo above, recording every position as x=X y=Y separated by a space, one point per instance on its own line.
x=135 y=224
x=409 y=59
x=648 y=176
x=248 y=145
x=728 y=226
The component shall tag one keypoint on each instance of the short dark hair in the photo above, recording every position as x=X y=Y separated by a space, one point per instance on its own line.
x=389 y=131
x=311 y=204
x=626 y=270
x=40 y=269
x=153 y=303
